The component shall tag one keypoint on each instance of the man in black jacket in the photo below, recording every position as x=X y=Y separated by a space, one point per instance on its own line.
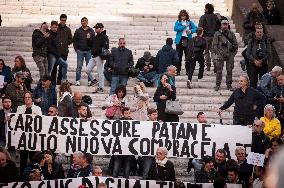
x=260 y=142
x=81 y=41
x=121 y=60
x=147 y=67
x=4 y=117
x=53 y=54
x=99 y=42
x=64 y=36
x=8 y=170
x=84 y=162
x=39 y=43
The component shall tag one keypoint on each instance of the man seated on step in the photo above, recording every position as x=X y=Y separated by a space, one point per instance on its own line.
x=77 y=102
x=201 y=118
x=83 y=111
x=121 y=60
x=81 y=166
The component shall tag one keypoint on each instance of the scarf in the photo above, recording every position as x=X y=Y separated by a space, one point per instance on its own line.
x=162 y=162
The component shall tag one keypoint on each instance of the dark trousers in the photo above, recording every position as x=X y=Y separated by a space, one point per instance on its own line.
x=255 y=73
x=180 y=50
x=54 y=72
x=190 y=66
x=243 y=121
x=24 y=155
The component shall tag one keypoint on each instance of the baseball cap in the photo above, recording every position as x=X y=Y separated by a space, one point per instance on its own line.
x=99 y=25
x=20 y=74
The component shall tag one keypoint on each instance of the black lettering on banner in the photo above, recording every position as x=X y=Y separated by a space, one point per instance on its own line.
x=26 y=184
x=94 y=145
x=83 y=145
x=20 y=123
x=118 y=184
x=116 y=128
x=168 y=144
x=126 y=127
x=32 y=140
x=171 y=184
x=131 y=147
x=94 y=131
x=5 y=185
x=164 y=131
x=153 y=143
x=142 y=146
x=71 y=142
x=67 y=183
x=137 y=184
x=192 y=149
x=191 y=130
x=72 y=126
x=14 y=185
x=52 y=143
x=116 y=146
x=28 y=123
x=213 y=149
x=42 y=137
x=107 y=131
x=161 y=183
x=22 y=142
x=203 y=152
x=175 y=148
x=53 y=126
x=181 y=132
x=87 y=183
x=107 y=146
x=41 y=184
x=9 y=139
x=9 y=122
x=126 y=183
x=81 y=128
x=37 y=124
x=174 y=129
x=134 y=130
x=204 y=134
x=108 y=181
x=64 y=129
x=185 y=149
x=155 y=129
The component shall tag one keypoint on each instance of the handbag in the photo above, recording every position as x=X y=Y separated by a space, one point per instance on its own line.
x=105 y=54
x=132 y=72
x=173 y=107
x=110 y=111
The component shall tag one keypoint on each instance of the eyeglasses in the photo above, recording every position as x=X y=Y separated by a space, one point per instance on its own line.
x=122 y=43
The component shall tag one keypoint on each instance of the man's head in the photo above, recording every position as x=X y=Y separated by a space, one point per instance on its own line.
x=200 y=31
x=84 y=22
x=209 y=8
x=208 y=163
x=254 y=7
x=276 y=71
x=28 y=98
x=259 y=33
x=97 y=171
x=169 y=41
x=147 y=56
x=280 y=80
x=54 y=26
x=77 y=97
x=258 y=126
x=52 y=111
x=243 y=81
x=121 y=43
x=63 y=19
x=220 y=156
x=161 y=153
x=83 y=111
x=46 y=81
x=126 y=113
x=219 y=182
x=44 y=26
x=20 y=77
x=102 y=185
x=99 y=27
x=240 y=153
x=171 y=71
x=201 y=118
x=82 y=159
x=225 y=25
x=6 y=102
x=233 y=176
x=152 y=114
x=3 y=159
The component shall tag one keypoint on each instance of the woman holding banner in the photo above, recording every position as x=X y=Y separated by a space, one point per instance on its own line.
x=162 y=169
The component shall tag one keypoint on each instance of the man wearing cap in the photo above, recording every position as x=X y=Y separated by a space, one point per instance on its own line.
x=99 y=41
x=146 y=65
x=45 y=94
x=16 y=90
x=225 y=47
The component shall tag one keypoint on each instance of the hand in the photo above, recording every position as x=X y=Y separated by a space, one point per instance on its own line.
x=77 y=51
x=38 y=100
x=7 y=118
x=219 y=112
x=46 y=35
x=281 y=100
x=21 y=87
x=146 y=68
x=254 y=107
x=188 y=31
x=151 y=66
x=251 y=180
x=163 y=97
x=268 y=152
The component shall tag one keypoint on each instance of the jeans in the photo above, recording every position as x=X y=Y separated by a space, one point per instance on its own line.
x=116 y=81
x=180 y=49
x=100 y=69
x=81 y=55
x=148 y=78
x=147 y=163
x=124 y=162
x=42 y=65
x=191 y=66
x=52 y=60
x=108 y=75
x=56 y=79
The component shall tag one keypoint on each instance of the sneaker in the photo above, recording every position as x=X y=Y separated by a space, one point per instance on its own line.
x=216 y=88
x=78 y=83
x=230 y=88
x=100 y=90
x=94 y=82
x=189 y=84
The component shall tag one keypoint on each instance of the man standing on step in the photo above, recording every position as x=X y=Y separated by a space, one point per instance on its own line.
x=81 y=41
x=64 y=36
x=209 y=23
x=99 y=42
x=121 y=60
x=39 y=44
x=225 y=47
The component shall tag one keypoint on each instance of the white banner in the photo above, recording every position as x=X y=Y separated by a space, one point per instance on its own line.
x=92 y=182
x=108 y=137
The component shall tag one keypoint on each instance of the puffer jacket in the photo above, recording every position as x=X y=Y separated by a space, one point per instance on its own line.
x=121 y=60
x=255 y=47
x=80 y=41
x=98 y=42
x=39 y=44
x=166 y=56
x=272 y=127
x=178 y=28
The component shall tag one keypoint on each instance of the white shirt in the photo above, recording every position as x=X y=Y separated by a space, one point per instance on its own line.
x=184 y=31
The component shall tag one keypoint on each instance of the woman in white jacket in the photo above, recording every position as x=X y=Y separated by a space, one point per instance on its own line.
x=29 y=107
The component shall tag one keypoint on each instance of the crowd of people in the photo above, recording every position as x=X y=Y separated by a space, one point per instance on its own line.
x=259 y=98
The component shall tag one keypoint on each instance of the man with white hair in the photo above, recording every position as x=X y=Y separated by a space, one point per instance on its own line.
x=268 y=81
x=260 y=141
x=245 y=169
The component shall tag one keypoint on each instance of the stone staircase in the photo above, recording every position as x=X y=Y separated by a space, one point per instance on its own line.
x=145 y=25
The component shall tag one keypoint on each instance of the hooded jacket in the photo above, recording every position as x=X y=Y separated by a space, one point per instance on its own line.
x=39 y=44
x=99 y=41
x=166 y=56
x=64 y=38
